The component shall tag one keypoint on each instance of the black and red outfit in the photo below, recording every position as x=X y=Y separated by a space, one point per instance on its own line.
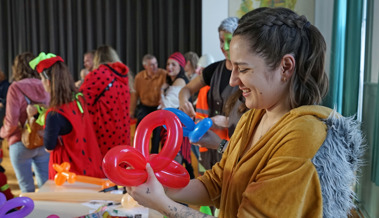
x=106 y=91
x=79 y=146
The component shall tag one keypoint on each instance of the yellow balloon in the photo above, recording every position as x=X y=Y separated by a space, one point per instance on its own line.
x=128 y=202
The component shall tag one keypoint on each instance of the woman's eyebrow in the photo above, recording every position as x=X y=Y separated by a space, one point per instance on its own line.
x=240 y=63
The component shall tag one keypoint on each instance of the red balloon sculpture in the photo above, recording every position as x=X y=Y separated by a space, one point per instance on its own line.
x=168 y=172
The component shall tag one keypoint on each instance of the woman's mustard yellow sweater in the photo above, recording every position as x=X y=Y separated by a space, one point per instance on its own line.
x=276 y=177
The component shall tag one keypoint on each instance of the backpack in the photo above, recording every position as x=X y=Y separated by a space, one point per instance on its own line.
x=32 y=130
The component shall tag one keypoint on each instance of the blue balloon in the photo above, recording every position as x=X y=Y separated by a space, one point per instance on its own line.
x=188 y=124
x=200 y=129
x=190 y=130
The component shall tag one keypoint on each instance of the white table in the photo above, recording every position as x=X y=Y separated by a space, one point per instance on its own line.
x=66 y=207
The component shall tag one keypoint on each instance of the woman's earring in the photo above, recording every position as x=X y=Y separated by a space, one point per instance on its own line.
x=284 y=79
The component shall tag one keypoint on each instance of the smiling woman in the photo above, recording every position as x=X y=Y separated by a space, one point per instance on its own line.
x=278 y=63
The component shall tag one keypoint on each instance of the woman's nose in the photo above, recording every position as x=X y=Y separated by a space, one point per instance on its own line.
x=234 y=79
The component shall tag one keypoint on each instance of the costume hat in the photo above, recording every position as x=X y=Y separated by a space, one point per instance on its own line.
x=44 y=61
x=177 y=56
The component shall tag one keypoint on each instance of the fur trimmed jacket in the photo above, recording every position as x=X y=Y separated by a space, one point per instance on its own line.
x=304 y=166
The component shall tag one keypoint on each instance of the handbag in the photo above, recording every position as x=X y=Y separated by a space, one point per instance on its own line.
x=32 y=131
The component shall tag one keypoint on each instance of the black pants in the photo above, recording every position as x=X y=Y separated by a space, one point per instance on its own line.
x=142 y=111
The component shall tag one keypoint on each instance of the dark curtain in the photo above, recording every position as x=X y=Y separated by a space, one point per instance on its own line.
x=69 y=28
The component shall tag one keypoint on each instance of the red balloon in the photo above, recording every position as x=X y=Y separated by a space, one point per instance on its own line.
x=114 y=166
x=168 y=172
x=174 y=175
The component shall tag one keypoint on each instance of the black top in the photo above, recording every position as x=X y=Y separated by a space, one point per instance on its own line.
x=57 y=125
x=4 y=85
x=210 y=70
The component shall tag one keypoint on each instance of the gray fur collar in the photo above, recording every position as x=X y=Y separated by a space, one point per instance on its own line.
x=337 y=162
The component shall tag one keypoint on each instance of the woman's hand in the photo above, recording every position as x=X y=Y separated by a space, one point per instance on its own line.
x=164 y=86
x=150 y=194
x=220 y=121
x=187 y=108
x=31 y=110
x=209 y=140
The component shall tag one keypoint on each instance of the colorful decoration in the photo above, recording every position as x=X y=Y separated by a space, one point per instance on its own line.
x=25 y=204
x=64 y=174
x=187 y=122
x=192 y=131
x=44 y=61
x=125 y=165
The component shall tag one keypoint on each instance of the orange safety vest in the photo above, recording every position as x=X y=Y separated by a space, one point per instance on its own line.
x=202 y=111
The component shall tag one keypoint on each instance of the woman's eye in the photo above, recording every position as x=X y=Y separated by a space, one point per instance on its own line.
x=242 y=70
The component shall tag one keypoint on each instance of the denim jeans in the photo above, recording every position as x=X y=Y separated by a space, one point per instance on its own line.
x=23 y=159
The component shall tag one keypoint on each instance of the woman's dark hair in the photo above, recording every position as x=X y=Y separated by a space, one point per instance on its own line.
x=62 y=86
x=21 y=69
x=275 y=32
x=232 y=100
x=181 y=74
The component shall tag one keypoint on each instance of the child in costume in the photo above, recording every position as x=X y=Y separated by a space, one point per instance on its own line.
x=69 y=134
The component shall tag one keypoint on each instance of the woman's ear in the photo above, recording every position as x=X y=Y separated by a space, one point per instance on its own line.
x=288 y=66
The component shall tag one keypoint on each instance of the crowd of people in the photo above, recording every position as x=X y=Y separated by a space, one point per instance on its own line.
x=261 y=153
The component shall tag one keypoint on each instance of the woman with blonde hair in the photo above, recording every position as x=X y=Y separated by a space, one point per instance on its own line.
x=26 y=85
x=107 y=93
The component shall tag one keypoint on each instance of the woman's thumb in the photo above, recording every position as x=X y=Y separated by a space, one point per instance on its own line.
x=150 y=171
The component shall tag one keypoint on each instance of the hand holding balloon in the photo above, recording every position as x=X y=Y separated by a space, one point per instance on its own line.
x=209 y=140
x=192 y=131
x=167 y=171
x=200 y=129
x=187 y=122
x=148 y=193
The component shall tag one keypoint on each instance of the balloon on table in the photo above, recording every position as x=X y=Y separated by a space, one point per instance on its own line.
x=25 y=204
x=64 y=174
x=168 y=172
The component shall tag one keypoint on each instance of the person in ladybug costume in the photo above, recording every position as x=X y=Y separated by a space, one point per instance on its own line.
x=107 y=93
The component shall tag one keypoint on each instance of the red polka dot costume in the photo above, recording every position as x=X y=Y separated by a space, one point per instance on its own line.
x=107 y=94
x=79 y=147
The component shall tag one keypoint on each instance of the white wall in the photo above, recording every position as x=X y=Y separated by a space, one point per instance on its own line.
x=375 y=45
x=324 y=22
x=214 y=11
